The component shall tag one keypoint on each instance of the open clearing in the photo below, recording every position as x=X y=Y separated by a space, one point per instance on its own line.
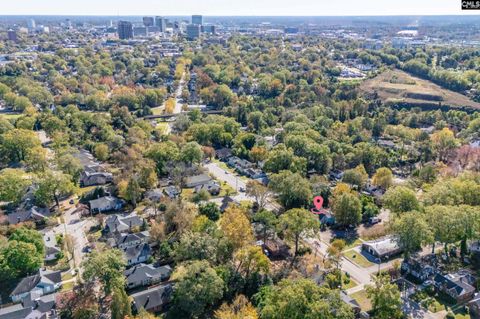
x=398 y=87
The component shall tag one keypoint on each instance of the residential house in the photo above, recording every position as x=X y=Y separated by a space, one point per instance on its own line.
x=457 y=286
x=352 y=303
x=32 y=308
x=146 y=275
x=105 y=204
x=34 y=213
x=137 y=254
x=94 y=175
x=154 y=299
x=240 y=165
x=223 y=154
x=213 y=187
x=43 y=283
x=420 y=269
x=52 y=253
x=125 y=240
x=383 y=248
x=171 y=192
x=197 y=180
x=51 y=248
x=474 y=307
x=122 y=223
x=154 y=195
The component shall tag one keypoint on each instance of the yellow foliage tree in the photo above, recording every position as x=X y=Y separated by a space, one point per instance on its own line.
x=169 y=106
x=240 y=308
x=236 y=227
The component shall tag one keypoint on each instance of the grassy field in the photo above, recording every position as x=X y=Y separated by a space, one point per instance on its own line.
x=157 y=110
x=67 y=286
x=396 y=86
x=357 y=258
x=363 y=301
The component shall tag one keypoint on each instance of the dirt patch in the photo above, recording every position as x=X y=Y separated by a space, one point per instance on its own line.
x=398 y=87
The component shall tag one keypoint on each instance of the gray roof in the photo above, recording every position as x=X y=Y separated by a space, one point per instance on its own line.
x=132 y=253
x=122 y=223
x=30 y=309
x=32 y=213
x=105 y=203
x=128 y=238
x=153 y=297
x=30 y=282
x=193 y=181
x=141 y=272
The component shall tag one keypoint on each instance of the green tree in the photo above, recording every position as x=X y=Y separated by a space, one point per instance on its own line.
x=27 y=235
x=19 y=259
x=268 y=220
x=17 y=143
x=293 y=189
x=191 y=153
x=105 y=266
x=210 y=210
x=298 y=222
x=300 y=299
x=121 y=305
x=347 y=209
x=198 y=288
x=400 y=199
x=101 y=151
x=52 y=186
x=383 y=178
x=13 y=185
x=411 y=232
x=385 y=298
x=163 y=153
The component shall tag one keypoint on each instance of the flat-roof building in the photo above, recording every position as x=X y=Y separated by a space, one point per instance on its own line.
x=125 y=30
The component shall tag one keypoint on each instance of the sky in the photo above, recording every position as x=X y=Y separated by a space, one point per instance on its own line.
x=233 y=7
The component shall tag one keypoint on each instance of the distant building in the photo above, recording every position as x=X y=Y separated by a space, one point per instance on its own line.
x=193 y=31
x=291 y=30
x=208 y=29
x=148 y=21
x=197 y=19
x=31 y=24
x=125 y=30
x=12 y=35
x=140 y=31
x=161 y=23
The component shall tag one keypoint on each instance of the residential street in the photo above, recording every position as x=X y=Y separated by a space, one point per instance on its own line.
x=75 y=227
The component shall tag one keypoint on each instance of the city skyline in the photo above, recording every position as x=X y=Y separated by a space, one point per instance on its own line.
x=244 y=8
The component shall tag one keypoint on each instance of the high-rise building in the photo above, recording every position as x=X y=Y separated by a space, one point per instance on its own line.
x=140 y=31
x=161 y=23
x=31 y=24
x=208 y=28
x=193 y=31
x=148 y=21
x=125 y=30
x=197 y=19
x=12 y=35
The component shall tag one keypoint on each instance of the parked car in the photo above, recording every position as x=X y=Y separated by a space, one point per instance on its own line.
x=374 y=220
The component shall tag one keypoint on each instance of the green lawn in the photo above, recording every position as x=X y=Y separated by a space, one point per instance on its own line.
x=157 y=110
x=11 y=116
x=363 y=301
x=351 y=284
x=82 y=191
x=67 y=276
x=67 y=286
x=351 y=244
x=226 y=189
x=163 y=127
x=357 y=258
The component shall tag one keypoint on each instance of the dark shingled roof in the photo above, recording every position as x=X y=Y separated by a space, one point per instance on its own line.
x=153 y=297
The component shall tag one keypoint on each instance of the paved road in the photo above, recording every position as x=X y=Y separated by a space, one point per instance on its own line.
x=76 y=227
x=236 y=183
